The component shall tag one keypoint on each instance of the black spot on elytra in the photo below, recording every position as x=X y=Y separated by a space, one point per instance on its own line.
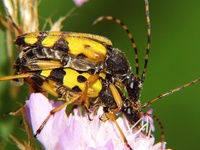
x=81 y=79
x=77 y=89
x=61 y=45
x=20 y=41
x=57 y=75
x=81 y=56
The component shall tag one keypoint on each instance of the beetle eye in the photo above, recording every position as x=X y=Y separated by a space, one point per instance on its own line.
x=131 y=85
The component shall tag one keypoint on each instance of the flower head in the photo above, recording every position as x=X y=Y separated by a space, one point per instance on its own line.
x=76 y=131
x=79 y=3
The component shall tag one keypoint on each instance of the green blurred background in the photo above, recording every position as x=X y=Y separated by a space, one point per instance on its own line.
x=173 y=61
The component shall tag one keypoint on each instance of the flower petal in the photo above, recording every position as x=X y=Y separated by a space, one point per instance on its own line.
x=79 y=3
x=77 y=132
x=38 y=109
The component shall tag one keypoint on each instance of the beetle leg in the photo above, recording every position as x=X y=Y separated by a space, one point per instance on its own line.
x=52 y=112
x=84 y=98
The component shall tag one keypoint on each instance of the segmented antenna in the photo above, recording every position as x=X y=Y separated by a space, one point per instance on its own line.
x=162 y=130
x=148 y=40
x=170 y=92
x=129 y=36
x=118 y=21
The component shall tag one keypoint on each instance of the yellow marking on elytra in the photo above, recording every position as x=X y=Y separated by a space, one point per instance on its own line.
x=30 y=40
x=93 y=50
x=51 y=38
x=70 y=81
x=49 y=41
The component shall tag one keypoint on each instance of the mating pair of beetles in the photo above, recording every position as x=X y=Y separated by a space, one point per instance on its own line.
x=84 y=69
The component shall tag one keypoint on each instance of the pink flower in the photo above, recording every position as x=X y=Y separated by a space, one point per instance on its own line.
x=79 y=3
x=78 y=133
